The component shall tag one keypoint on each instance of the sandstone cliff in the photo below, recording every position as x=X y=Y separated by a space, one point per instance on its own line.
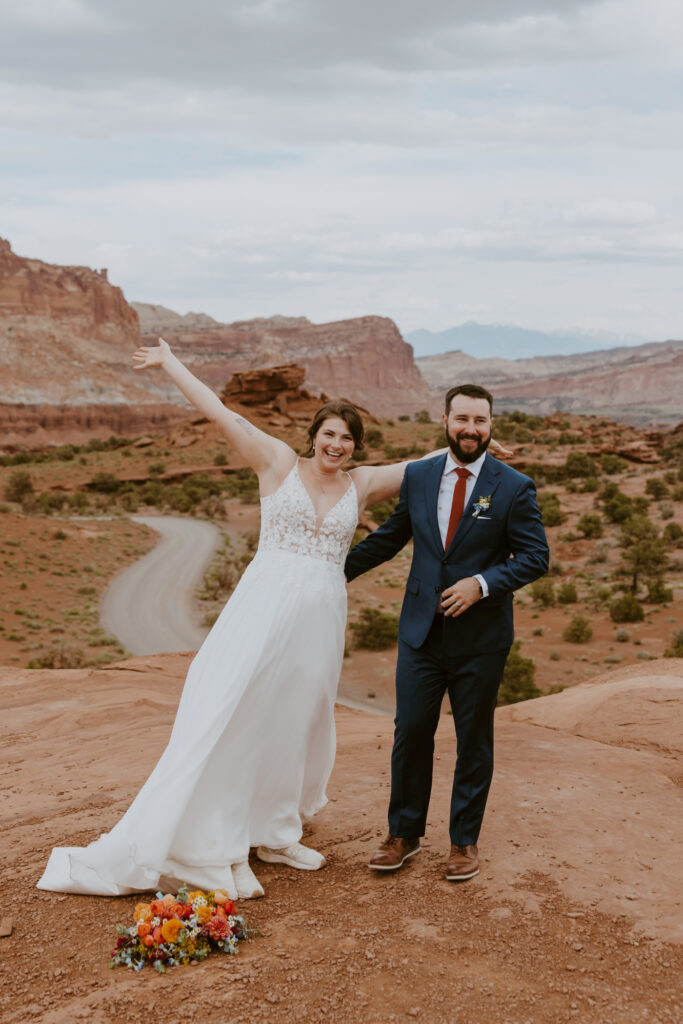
x=365 y=360
x=66 y=335
x=640 y=384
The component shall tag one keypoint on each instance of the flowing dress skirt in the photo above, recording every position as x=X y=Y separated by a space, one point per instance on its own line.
x=252 y=745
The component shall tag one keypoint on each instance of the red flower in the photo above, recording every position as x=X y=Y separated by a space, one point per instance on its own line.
x=217 y=928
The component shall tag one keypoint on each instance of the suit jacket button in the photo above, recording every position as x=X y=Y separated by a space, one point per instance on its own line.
x=444 y=561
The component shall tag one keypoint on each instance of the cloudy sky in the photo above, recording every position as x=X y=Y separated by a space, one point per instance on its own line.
x=506 y=161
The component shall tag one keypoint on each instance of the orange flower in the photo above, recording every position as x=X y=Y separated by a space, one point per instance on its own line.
x=157 y=934
x=143 y=912
x=157 y=907
x=178 y=910
x=203 y=914
x=221 y=896
x=169 y=900
x=143 y=929
x=148 y=941
x=219 y=911
x=170 y=929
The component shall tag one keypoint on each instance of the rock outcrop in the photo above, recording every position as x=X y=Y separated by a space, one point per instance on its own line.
x=260 y=387
x=40 y=426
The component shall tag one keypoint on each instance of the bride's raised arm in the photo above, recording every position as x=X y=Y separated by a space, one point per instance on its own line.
x=265 y=454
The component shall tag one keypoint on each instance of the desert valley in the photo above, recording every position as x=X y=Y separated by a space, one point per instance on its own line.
x=577 y=914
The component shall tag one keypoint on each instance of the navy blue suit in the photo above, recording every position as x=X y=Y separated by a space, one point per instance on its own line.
x=506 y=544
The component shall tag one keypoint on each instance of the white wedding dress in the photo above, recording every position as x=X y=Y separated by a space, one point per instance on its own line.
x=253 y=742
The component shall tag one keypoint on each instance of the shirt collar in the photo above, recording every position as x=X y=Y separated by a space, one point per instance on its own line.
x=474 y=467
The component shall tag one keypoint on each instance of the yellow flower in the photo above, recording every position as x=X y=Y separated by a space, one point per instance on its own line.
x=171 y=928
x=193 y=895
x=203 y=914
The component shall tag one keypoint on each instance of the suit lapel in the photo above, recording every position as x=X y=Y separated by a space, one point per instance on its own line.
x=485 y=485
x=431 y=493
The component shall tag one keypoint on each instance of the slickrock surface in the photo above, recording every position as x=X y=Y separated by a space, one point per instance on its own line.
x=576 y=914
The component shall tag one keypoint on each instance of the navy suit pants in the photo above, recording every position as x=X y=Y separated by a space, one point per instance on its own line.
x=422 y=678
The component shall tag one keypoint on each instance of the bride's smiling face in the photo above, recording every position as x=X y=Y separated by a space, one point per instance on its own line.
x=334 y=443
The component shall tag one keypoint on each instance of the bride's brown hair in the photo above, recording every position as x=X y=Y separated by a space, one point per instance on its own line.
x=344 y=411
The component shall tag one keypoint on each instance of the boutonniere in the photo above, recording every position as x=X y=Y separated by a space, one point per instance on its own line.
x=482 y=504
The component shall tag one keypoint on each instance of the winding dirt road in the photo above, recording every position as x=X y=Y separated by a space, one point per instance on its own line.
x=150 y=607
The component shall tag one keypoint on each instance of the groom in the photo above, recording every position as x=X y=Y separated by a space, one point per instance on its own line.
x=477 y=536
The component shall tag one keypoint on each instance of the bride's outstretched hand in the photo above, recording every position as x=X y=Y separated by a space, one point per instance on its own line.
x=146 y=357
x=496 y=448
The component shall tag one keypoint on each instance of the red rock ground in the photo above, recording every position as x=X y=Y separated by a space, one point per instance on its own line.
x=576 y=914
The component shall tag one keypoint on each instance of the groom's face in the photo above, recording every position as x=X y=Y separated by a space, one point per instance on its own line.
x=468 y=427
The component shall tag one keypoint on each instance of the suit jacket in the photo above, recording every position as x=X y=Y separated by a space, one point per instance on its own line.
x=504 y=542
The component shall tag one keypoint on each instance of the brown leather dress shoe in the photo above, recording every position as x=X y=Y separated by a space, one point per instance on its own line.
x=393 y=852
x=463 y=863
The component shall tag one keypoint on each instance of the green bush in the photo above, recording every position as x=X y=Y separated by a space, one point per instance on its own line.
x=659 y=593
x=626 y=609
x=566 y=594
x=618 y=507
x=18 y=486
x=590 y=485
x=676 y=649
x=672 y=533
x=423 y=416
x=579 y=464
x=375 y=630
x=221 y=459
x=656 y=487
x=374 y=437
x=543 y=592
x=551 y=512
x=590 y=525
x=105 y=483
x=611 y=464
x=579 y=630
x=518 y=678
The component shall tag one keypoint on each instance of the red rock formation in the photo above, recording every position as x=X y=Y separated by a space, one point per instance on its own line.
x=39 y=426
x=259 y=387
x=366 y=360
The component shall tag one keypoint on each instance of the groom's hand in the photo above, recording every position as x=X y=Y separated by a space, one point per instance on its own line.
x=462 y=595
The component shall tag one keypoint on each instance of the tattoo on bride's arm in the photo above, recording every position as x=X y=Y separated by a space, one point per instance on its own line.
x=245 y=425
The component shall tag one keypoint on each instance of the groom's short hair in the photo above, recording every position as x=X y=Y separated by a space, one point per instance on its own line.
x=472 y=391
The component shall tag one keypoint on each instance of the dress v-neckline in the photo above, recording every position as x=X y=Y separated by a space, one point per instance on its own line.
x=319 y=522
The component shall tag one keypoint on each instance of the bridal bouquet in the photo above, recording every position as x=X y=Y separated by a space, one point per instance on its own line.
x=173 y=930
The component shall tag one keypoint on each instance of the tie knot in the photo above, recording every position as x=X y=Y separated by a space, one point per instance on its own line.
x=462 y=472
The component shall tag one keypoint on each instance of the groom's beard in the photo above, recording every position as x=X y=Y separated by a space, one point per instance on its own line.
x=471 y=454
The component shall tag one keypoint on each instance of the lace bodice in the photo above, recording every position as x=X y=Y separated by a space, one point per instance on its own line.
x=289 y=522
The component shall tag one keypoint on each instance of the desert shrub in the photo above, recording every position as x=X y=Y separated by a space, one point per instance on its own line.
x=579 y=464
x=656 y=488
x=518 y=678
x=18 y=486
x=156 y=468
x=403 y=418
x=374 y=437
x=626 y=608
x=672 y=533
x=590 y=485
x=644 y=550
x=579 y=630
x=566 y=594
x=676 y=649
x=658 y=592
x=598 y=554
x=543 y=592
x=555 y=656
x=382 y=510
x=666 y=509
x=551 y=512
x=105 y=483
x=423 y=416
x=62 y=656
x=221 y=459
x=621 y=635
x=618 y=507
x=611 y=464
x=590 y=525
x=677 y=493
x=375 y=630
x=242 y=484
x=59 y=534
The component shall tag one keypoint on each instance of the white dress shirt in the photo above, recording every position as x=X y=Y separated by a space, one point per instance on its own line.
x=445 y=500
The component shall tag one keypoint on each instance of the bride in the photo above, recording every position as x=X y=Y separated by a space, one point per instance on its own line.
x=253 y=742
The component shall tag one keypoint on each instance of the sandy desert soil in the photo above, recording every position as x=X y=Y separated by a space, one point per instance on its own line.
x=575 y=916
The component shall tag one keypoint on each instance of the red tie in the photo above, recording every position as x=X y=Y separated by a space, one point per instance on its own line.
x=458 y=503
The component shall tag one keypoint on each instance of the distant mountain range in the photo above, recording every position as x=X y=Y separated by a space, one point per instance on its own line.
x=499 y=341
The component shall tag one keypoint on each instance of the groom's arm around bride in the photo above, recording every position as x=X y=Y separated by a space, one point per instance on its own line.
x=477 y=536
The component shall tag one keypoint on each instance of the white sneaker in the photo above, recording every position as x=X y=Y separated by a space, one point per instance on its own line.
x=248 y=885
x=295 y=856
